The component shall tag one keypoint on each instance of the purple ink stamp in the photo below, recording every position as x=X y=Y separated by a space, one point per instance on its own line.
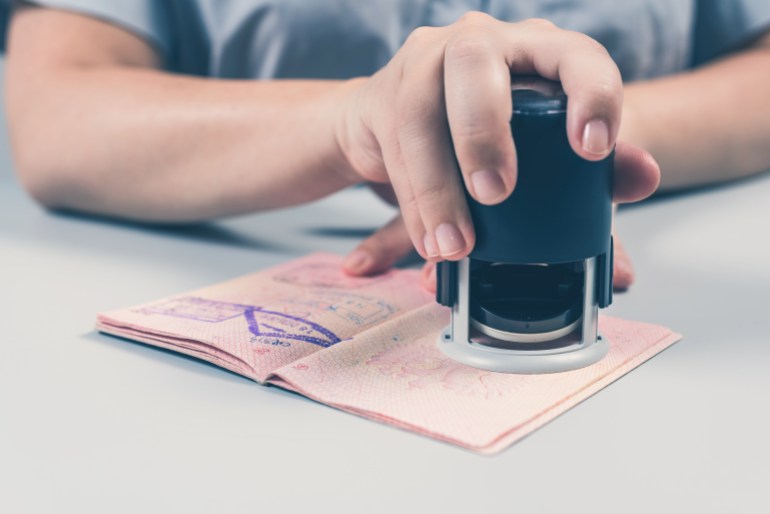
x=355 y=308
x=276 y=325
x=198 y=309
x=269 y=327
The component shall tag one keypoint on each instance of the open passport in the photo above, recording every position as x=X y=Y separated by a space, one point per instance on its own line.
x=368 y=346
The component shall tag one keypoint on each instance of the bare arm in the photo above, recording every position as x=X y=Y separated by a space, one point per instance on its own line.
x=708 y=125
x=97 y=127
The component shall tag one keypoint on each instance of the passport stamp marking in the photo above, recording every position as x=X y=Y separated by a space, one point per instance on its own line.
x=354 y=308
x=325 y=275
x=197 y=309
x=422 y=366
x=267 y=327
x=277 y=326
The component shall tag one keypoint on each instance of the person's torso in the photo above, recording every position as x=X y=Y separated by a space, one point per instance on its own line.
x=347 y=38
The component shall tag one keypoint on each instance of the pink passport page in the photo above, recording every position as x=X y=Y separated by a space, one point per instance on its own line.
x=368 y=346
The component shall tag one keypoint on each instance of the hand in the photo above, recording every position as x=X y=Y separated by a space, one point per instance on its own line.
x=444 y=101
x=636 y=177
x=622 y=276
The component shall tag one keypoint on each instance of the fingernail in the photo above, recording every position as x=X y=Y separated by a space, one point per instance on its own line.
x=430 y=246
x=488 y=186
x=450 y=240
x=596 y=137
x=358 y=261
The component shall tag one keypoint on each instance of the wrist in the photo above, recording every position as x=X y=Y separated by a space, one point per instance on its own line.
x=357 y=144
x=334 y=112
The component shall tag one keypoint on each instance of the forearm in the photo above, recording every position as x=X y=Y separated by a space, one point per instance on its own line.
x=144 y=144
x=705 y=126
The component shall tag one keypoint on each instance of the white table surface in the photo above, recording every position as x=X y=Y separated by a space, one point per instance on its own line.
x=89 y=423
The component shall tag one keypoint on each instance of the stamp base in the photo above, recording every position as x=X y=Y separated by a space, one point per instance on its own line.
x=529 y=362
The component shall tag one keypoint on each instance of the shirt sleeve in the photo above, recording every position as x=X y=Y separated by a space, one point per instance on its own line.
x=145 y=18
x=722 y=26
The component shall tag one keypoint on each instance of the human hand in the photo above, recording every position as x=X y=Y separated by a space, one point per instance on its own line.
x=636 y=177
x=444 y=102
x=622 y=275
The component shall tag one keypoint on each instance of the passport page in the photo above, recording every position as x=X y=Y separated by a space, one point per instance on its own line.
x=368 y=346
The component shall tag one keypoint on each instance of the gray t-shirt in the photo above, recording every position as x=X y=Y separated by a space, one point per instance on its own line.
x=347 y=38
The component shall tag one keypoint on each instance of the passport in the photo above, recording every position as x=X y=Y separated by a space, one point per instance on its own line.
x=368 y=346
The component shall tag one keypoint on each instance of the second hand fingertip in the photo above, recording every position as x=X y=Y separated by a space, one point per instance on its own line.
x=358 y=262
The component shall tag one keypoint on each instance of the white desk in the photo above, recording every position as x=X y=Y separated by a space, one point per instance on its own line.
x=89 y=423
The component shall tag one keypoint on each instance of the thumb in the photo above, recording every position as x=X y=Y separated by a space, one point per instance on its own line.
x=379 y=251
x=637 y=175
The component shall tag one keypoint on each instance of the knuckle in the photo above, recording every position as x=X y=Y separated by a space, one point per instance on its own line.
x=374 y=244
x=475 y=18
x=437 y=197
x=469 y=45
x=480 y=148
x=410 y=210
x=587 y=43
x=470 y=135
x=540 y=23
x=477 y=130
x=593 y=45
x=420 y=36
x=606 y=91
